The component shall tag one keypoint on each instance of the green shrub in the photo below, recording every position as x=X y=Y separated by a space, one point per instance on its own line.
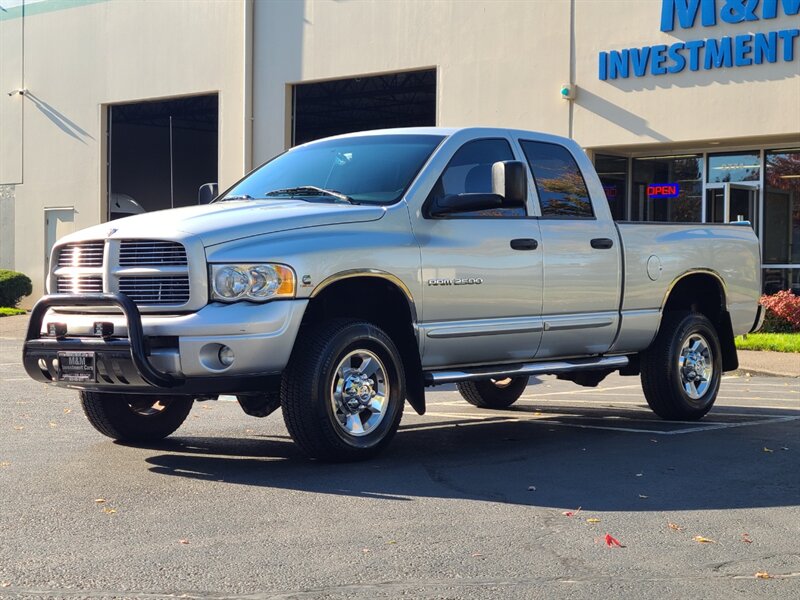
x=13 y=286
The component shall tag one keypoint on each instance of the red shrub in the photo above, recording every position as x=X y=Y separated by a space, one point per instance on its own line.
x=783 y=312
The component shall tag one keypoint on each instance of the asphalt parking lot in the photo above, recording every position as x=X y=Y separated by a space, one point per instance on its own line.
x=465 y=504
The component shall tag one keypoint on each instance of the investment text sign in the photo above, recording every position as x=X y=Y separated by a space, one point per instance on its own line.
x=709 y=53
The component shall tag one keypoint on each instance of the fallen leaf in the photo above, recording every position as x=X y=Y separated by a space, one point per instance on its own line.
x=768 y=449
x=571 y=513
x=703 y=540
x=531 y=488
x=365 y=550
x=4 y=584
x=67 y=411
x=643 y=497
x=5 y=464
x=109 y=511
x=392 y=542
x=475 y=554
x=763 y=575
x=183 y=542
x=99 y=500
x=18 y=427
x=537 y=414
x=746 y=538
x=612 y=541
x=51 y=424
x=593 y=520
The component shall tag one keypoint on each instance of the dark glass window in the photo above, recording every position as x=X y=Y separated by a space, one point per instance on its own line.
x=782 y=208
x=613 y=172
x=559 y=182
x=668 y=188
x=470 y=172
x=724 y=168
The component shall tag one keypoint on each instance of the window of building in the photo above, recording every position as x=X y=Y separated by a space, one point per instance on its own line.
x=470 y=172
x=782 y=217
x=613 y=172
x=668 y=188
x=724 y=168
x=324 y=108
x=559 y=182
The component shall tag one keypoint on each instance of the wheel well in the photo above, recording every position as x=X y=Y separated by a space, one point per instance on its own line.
x=703 y=293
x=383 y=303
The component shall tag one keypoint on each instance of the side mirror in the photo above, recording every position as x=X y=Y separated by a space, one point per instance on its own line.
x=458 y=203
x=510 y=181
x=207 y=192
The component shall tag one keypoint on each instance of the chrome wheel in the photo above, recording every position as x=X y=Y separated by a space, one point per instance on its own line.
x=696 y=366
x=359 y=392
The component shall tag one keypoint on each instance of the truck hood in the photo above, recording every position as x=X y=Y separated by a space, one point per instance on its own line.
x=231 y=220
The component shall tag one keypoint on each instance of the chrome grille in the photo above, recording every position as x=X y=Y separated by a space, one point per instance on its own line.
x=141 y=253
x=82 y=254
x=158 y=290
x=80 y=285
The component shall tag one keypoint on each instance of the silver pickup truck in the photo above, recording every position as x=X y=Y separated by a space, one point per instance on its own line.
x=345 y=276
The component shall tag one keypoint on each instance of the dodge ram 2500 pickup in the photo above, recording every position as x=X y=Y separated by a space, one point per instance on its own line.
x=343 y=277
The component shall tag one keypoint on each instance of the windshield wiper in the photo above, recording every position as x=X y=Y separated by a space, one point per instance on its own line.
x=237 y=197
x=311 y=190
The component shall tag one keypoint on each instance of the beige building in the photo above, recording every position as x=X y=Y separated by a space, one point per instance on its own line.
x=690 y=109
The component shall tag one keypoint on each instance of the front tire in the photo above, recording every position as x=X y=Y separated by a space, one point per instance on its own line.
x=134 y=417
x=342 y=393
x=494 y=393
x=682 y=369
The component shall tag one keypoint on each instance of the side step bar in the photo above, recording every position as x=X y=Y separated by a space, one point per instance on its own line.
x=519 y=370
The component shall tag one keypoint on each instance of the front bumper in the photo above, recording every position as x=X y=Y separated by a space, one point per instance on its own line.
x=136 y=359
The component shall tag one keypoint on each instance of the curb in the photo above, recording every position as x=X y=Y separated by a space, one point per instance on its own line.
x=745 y=372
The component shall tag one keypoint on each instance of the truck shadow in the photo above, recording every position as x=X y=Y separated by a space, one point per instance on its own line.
x=540 y=462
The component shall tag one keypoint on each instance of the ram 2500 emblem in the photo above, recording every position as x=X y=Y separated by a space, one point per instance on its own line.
x=456 y=281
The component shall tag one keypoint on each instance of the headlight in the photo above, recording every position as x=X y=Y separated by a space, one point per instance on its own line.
x=257 y=283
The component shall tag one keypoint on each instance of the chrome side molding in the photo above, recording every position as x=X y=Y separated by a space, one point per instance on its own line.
x=519 y=370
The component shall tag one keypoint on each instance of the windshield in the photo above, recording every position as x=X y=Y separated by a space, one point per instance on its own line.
x=374 y=169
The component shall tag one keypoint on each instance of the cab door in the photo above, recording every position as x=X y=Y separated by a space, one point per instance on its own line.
x=481 y=271
x=581 y=252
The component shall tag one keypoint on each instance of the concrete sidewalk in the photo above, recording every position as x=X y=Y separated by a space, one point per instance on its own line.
x=776 y=364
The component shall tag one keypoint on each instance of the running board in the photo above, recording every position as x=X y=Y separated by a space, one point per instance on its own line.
x=521 y=370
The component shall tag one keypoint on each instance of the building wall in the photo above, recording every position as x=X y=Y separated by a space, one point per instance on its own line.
x=503 y=62
x=78 y=57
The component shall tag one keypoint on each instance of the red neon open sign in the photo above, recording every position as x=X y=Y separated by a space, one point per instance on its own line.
x=663 y=190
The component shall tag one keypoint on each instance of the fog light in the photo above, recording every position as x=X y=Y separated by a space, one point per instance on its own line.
x=57 y=330
x=226 y=356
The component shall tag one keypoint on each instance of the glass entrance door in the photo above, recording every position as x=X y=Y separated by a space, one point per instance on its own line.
x=732 y=202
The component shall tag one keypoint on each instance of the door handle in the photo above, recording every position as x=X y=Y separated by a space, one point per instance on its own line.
x=602 y=243
x=524 y=244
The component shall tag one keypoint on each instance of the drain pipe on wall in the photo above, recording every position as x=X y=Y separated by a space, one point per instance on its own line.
x=247 y=125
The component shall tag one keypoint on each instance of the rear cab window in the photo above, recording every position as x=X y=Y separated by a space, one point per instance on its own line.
x=559 y=182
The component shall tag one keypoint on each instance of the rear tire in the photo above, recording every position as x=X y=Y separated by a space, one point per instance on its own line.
x=133 y=417
x=682 y=368
x=494 y=393
x=342 y=393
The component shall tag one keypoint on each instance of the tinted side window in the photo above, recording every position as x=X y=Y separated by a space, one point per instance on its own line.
x=562 y=190
x=470 y=172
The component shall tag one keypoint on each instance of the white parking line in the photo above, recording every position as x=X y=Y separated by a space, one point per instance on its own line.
x=548 y=420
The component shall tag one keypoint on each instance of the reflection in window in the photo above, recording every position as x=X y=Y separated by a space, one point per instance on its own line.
x=652 y=180
x=613 y=172
x=724 y=168
x=777 y=280
x=559 y=182
x=782 y=208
